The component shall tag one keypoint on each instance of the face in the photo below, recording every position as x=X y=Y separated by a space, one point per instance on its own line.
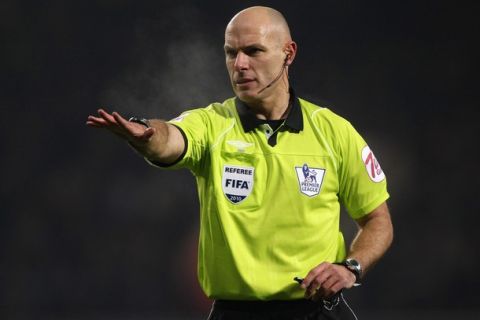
x=254 y=58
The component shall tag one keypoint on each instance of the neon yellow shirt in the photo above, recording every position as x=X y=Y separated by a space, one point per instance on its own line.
x=270 y=201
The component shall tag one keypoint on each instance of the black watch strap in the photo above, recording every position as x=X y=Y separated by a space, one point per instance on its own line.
x=141 y=121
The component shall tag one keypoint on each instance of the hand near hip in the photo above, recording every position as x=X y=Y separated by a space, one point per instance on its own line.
x=327 y=279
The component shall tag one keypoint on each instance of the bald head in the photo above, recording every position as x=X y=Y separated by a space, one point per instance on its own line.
x=265 y=20
x=258 y=51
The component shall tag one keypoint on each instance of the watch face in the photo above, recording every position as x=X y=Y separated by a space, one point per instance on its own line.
x=353 y=263
x=354 y=266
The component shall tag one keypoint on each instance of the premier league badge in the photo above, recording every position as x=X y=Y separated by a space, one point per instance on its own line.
x=237 y=182
x=310 y=179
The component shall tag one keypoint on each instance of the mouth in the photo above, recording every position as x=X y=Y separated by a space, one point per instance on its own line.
x=243 y=81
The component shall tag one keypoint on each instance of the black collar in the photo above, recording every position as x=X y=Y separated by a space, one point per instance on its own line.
x=294 y=120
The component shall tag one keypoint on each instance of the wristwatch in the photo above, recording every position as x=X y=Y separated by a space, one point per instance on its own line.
x=141 y=121
x=355 y=267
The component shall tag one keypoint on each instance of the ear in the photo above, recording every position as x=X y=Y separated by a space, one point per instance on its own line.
x=290 y=51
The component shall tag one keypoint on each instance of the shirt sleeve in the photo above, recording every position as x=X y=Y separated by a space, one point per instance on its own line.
x=193 y=125
x=363 y=185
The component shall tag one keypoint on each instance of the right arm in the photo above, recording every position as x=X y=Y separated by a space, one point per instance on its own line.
x=162 y=142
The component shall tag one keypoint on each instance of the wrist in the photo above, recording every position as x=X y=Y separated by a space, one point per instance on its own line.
x=141 y=121
x=355 y=268
x=138 y=144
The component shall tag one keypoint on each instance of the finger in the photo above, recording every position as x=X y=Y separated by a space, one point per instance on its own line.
x=310 y=292
x=312 y=289
x=329 y=287
x=344 y=276
x=97 y=120
x=337 y=282
x=319 y=295
x=320 y=279
x=312 y=275
x=109 y=122
x=132 y=128
x=315 y=285
x=96 y=123
x=120 y=120
x=326 y=294
x=101 y=110
x=106 y=116
x=318 y=283
x=93 y=124
x=337 y=287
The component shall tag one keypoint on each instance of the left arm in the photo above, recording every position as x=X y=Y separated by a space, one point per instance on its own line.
x=374 y=237
x=371 y=242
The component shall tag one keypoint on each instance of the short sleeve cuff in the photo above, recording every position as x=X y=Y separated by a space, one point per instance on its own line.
x=365 y=210
x=159 y=164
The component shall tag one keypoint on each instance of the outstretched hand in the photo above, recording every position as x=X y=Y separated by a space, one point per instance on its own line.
x=115 y=123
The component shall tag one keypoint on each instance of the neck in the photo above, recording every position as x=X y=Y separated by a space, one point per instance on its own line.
x=273 y=107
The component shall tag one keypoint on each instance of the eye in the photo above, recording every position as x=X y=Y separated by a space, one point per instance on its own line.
x=230 y=53
x=252 y=51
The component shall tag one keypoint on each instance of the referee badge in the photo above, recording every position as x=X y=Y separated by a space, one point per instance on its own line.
x=310 y=179
x=237 y=182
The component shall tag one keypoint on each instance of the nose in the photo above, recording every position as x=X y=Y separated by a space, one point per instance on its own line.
x=241 y=61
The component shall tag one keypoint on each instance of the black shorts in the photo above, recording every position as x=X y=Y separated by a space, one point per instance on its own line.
x=334 y=309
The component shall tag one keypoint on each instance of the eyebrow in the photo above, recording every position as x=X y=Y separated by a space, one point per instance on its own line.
x=250 y=46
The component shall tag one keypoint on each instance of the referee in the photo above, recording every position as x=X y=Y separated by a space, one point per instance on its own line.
x=271 y=170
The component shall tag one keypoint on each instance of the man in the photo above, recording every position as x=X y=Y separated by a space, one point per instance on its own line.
x=271 y=171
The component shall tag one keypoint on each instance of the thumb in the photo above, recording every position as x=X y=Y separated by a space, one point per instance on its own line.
x=148 y=134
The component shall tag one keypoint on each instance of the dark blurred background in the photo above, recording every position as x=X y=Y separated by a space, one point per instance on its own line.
x=90 y=231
